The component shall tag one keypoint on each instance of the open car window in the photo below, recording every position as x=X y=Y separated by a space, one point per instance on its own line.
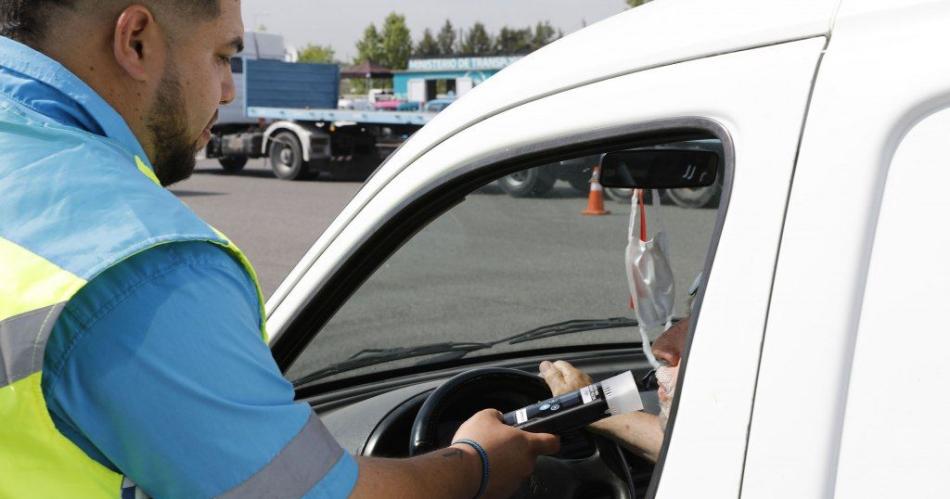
x=516 y=256
x=532 y=264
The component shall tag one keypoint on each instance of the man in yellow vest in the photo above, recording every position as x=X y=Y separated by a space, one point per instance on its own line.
x=131 y=359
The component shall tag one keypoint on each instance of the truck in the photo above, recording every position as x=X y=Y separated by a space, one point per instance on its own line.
x=287 y=112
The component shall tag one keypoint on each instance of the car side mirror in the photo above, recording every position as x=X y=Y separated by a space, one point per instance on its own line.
x=670 y=166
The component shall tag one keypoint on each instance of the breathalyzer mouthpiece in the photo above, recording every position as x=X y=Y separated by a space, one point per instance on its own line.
x=615 y=395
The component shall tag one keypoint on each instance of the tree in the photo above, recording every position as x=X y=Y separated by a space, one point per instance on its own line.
x=636 y=3
x=446 y=39
x=477 y=42
x=317 y=54
x=427 y=46
x=396 y=42
x=511 y=41
x=543 y=34
x=370 y=47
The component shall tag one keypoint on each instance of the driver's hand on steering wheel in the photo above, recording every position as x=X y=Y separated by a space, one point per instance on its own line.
x=639 y=432
x=562 y=377
x=512 y=453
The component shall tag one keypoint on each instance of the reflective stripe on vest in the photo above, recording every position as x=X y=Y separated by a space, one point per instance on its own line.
x=57 y=234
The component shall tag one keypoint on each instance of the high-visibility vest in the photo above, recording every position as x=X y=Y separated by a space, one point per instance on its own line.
x=72 y=205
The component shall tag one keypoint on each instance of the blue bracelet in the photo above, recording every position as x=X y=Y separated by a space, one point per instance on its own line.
x=485 y=468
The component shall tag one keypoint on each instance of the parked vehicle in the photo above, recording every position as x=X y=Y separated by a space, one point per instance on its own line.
x=540 y=180
x=409 y=106
x=291 y=114
x=815 y=364
x=437 y=105
x=383 y=100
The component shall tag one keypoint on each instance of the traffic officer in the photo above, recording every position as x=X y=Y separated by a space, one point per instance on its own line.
x=131 y=352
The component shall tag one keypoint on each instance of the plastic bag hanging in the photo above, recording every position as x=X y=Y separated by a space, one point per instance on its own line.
x=649 y=274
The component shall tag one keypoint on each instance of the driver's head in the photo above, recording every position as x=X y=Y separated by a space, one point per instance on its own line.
x=668 y=347
x=668 y=350
x=164 y=65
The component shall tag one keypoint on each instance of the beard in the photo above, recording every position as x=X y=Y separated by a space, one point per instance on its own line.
x=666 y=377
x=167 y=122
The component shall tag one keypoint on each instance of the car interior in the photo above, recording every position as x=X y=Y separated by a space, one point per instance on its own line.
x=450 y=308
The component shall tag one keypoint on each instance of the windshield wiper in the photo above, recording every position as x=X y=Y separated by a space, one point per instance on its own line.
x=568 y=327
x=372 y=356
x=447 y=351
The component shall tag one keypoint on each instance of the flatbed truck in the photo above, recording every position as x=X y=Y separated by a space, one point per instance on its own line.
x=286 y=112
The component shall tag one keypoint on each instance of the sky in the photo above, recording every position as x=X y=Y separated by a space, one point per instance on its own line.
x=340 y=23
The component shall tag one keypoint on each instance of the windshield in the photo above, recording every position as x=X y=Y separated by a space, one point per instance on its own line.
x=517 y=255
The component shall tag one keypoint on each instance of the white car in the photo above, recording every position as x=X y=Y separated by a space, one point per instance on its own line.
x=816 y=365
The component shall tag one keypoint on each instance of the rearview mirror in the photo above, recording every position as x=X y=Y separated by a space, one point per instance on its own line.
x=670 y=166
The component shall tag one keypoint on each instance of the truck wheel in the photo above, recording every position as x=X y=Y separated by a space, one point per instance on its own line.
x=233 y=163
x=619 y=194
x=580 y=183
x=528 y=183
x=286 y=157
x=625 y=195
x=700 y=197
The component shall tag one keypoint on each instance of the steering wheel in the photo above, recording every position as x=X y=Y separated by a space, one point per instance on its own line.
x=600 y=473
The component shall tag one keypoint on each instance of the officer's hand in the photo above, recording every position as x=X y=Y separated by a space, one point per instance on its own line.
x=562 y=377
x=512 y=453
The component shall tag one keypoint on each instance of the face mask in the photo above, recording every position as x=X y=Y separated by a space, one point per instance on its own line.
x=649 y=275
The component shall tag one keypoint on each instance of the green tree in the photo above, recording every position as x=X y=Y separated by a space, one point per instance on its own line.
x=511 y=41
x=317 y=54
x=427 y=46
x=477 y=41
x=544 y=34
x=446 y=39
x=370 y=47
x=396 y=42
x=636 y=3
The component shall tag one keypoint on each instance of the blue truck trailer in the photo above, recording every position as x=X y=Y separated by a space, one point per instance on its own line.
x=287 y=113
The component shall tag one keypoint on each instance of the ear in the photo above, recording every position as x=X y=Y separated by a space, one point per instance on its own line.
x=138 y=43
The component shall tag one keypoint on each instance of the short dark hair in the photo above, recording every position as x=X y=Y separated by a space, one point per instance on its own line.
x=26 y=21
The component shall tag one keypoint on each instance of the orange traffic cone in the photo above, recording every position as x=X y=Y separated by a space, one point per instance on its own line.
x=595 y=200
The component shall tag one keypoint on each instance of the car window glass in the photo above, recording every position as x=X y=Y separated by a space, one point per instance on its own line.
x=516 y=255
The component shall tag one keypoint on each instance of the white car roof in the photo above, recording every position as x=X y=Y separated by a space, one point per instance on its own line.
x=658 y=33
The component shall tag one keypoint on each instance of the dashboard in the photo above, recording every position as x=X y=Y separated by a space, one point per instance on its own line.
x=381 y=425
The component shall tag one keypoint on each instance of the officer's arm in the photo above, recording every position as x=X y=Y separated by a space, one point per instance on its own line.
x=456 y=472
x=160 y=372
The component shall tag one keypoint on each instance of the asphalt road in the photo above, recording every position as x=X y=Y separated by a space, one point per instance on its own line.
x=495 y=266
x=274 y=222
x=491 y=267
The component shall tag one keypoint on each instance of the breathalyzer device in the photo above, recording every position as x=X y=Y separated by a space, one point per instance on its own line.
x=615 y=395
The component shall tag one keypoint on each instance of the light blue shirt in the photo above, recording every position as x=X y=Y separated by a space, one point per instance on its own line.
x=156 y=368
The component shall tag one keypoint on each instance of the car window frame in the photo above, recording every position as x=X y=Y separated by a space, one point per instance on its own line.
x=446 y=191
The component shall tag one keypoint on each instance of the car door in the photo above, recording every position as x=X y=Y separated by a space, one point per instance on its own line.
x=753 y=101
x=851 y=398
